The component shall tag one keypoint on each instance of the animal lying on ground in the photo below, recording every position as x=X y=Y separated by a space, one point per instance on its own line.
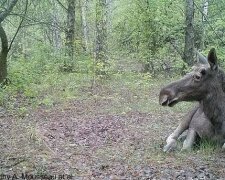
x=203 y=126
x=205 y=84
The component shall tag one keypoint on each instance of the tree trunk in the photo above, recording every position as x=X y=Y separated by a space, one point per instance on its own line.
x=109 y=15
x=101 y=35
x=70 y=33
x=189 y=33
x=205 y=5
x=3 y=54
x=84 y=24
x=57 y=41
x=5 y=47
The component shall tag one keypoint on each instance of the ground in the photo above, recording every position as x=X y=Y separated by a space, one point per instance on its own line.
x=115 y=131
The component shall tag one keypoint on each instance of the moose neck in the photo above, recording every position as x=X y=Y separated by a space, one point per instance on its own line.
x=214 y=105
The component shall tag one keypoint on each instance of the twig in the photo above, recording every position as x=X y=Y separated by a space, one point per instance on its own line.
x=16 y=163
x=62 y=5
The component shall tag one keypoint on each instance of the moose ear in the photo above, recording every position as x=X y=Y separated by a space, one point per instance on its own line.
x=200 y=58
x=212 y=59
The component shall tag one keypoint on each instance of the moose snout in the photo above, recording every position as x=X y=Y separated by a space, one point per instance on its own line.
x=163 y=99
x=167 y=97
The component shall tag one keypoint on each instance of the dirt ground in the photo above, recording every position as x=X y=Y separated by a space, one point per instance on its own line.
x=81 y=140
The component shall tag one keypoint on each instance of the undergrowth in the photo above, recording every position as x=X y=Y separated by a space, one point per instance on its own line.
x=39 y=81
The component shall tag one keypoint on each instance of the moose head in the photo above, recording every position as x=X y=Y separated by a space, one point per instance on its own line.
x=196 y=85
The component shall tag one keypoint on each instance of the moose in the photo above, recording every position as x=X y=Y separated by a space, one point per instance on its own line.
x=205 y=84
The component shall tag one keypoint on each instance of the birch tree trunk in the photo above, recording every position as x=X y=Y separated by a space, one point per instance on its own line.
x=205 y=5
x=189 y=33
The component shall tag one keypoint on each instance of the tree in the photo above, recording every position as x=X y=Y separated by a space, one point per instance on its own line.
x=101 y=36
x=4 y=40
x=205 y=5
x=70 y=34
x=189 y=33
x=56 y=36
x=84 y=24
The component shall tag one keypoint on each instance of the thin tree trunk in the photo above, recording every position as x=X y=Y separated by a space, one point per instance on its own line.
x=189 y=33
x=55 y=30
x=24 y=44
x=84 y=24
x=101 y=34
x=3 y=54
x=109 y=15
x=70 y=32
x=204 y=16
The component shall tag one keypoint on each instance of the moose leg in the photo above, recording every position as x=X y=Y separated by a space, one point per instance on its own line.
x=223 y=147
x=190 y=140
x=223 y=141
x=172 y=139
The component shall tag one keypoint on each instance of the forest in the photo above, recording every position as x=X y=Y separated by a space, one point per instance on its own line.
x=80 y=83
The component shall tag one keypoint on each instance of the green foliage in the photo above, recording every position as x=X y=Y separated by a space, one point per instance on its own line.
x=146 y=27
x=39 y=81
x=141 y=38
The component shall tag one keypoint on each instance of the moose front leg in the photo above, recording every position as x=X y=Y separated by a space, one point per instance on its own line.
x=223 y=140
x=172 y=139
x=190 y=140
x=223 y=147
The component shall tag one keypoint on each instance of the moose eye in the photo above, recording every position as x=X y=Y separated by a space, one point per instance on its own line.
x=203 y=71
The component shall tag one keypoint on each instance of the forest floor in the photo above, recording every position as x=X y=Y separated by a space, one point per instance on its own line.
x=113 y=132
